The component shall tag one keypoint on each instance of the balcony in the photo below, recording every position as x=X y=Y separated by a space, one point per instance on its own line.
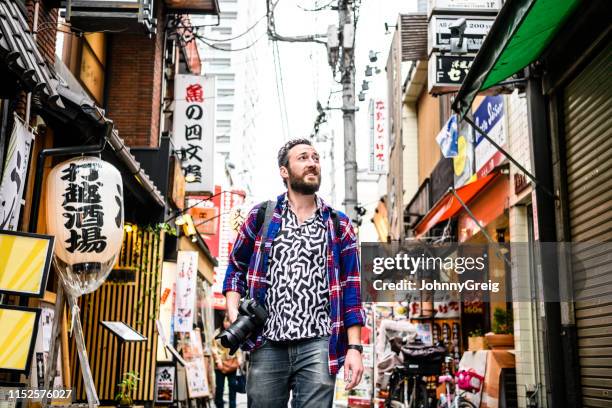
x=193 y=7
x=126 y=16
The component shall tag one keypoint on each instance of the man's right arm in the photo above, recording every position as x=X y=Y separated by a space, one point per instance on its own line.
x=235 y=285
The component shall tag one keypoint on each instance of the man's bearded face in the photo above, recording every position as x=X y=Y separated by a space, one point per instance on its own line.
x=304 y=169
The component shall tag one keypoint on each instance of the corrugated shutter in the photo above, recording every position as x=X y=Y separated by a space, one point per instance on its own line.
x=588 y=140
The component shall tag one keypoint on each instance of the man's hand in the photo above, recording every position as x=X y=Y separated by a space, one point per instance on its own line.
x=232 y=314
x=232 y=302
x=353 y=369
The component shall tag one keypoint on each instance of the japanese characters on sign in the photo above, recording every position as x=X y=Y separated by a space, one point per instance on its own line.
x=489 y=117
x=85 y=214
x=379 y=163
x=193 y=130
x=13 y=176
x=447 y=72
x=186 y=278
x=491 y=6
x=475 y=32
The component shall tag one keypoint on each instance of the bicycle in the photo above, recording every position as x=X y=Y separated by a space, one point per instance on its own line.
x=467 y=381
x=406 y=386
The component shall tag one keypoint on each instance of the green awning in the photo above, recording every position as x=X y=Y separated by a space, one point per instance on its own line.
x=519 y=35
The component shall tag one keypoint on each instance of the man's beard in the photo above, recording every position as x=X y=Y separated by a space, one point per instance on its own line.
x=299 y=185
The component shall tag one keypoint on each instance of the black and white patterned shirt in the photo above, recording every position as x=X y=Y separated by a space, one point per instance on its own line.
x=298 y=294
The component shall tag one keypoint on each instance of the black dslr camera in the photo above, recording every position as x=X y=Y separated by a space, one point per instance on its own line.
x=251 y=316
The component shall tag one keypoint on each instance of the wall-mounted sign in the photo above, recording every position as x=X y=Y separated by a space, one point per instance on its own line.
x=379 y=158
x=19 y=328
x=164 y=384
x=475 y=32
x=85 y=214
x=14 y=175
x=166 y=308
x=482 y=6
x=446 y=72
x=187 y=272
x=25 y=260
x=489 y=117
x=193 y=130
x=177 y=183
x=463 y=163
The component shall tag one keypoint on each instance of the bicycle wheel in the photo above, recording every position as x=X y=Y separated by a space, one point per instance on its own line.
x=463 y=403
x=421 y=398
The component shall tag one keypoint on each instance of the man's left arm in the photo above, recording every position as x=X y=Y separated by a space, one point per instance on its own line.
x=354 y=315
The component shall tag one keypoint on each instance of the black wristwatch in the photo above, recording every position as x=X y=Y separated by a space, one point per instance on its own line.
x=357 y=347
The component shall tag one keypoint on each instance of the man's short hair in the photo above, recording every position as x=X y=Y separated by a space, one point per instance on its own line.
x=283 y=153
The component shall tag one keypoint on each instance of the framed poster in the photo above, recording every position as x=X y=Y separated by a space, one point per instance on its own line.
x=123 y=331
x=19 y=328
x=165 y=376
x=25 y=260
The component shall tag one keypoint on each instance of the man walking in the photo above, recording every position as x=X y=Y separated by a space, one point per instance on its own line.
x=304 y=269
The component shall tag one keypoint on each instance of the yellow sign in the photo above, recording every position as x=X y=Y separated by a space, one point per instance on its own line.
x=24 y=263
x=18 y=327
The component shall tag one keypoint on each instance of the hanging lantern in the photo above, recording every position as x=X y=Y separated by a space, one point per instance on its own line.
x=85 y=214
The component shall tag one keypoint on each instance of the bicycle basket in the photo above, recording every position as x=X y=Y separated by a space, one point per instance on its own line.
x=469 y=380
x=423 y=360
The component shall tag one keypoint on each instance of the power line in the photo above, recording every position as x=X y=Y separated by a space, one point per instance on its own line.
x=281 y=99
x=317 y=8
x=280 y=72
x=234 y=37
x=216 y=47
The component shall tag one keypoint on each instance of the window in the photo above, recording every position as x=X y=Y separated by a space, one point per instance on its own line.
x=223 y=138
x=223 y=123
x=226 y=77
x=223 y=46
x=229 y=15
x=220 y=62
x=222 y=30
x=225 y=92
x=225 y=107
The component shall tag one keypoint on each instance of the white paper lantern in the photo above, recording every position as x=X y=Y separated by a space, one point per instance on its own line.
x=85 y=214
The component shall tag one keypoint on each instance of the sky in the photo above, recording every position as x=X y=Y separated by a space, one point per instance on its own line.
x=306 y=79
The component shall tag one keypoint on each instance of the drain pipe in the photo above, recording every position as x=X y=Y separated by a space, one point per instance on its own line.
x=59 y=151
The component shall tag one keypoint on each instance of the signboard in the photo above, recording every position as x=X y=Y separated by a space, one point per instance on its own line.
x=446 y=72
x=166 y=308
x=26 y=262
x=187 y=273
x=475 y=32
x=164 y=384
x=197 y=378
x=193 y=130
x=14 y=176
x=463 y=163
x=379 y=157
x=227 y=236
x=489 y=117
x=123 y=331
x=482 y=6
x=17 y=323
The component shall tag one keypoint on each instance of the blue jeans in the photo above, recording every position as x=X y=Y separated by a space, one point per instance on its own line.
x=220 y=385
x=299 y=367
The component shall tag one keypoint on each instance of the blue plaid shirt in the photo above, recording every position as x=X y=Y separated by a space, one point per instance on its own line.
x=249 y=260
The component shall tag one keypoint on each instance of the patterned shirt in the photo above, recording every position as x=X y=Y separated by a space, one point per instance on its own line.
x=248 y=264
x=298 y=296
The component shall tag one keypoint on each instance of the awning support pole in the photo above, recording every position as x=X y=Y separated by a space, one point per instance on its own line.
x=508 y=156
x=482 y=229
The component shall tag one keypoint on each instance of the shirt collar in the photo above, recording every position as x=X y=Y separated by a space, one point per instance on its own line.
x=321 y=204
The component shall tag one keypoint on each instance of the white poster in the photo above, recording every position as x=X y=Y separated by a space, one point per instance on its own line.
x=41 y=351
x=166 y=308
x=193 y=130
x=14 y=175
x=379 y=156
x=197 y=382
x=187 y=272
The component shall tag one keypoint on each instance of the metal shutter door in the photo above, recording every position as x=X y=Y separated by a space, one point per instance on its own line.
x=588 y=141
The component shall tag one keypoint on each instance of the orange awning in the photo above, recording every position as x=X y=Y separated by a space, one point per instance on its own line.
x=448 y=205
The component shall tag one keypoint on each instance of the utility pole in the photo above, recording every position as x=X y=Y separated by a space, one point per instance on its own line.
x=347 y=72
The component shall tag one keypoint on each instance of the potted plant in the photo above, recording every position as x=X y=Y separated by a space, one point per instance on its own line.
x=126 y=387
x=476 y=340
x=501 y=338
